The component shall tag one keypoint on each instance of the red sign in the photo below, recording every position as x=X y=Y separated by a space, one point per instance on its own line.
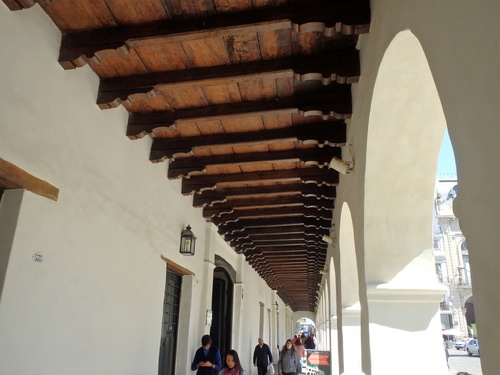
x=317 y=359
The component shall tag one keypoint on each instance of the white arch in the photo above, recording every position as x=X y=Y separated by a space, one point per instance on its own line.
x=406 y=127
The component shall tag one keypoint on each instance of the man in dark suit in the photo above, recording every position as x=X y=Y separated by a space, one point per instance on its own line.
x=262 y=357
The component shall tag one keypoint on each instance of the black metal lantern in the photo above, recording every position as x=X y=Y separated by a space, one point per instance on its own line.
x=188 y=240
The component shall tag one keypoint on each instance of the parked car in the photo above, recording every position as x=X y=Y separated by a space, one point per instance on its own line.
x=473 y=347
x=460 y=345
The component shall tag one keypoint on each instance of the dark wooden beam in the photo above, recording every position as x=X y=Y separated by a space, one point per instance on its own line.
x=24 y=4
x=282 y=250
x=348 y=18
x=272 y=212
x=283 y=200
x=331 y=133
x=274 y=231
x=331 y=103
x=339 y=66
x=284 y=242
x=276 y=236
x=320 y=157
x=274 y=222
x=279 y=241
x=279 y=238
x=212 y=197
x=318 y=176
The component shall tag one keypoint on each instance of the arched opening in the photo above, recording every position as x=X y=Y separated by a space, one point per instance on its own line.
x=470 y=317
x=305 y=326
x=406 y=127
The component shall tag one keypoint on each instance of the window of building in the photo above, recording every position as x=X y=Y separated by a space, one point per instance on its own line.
x=442 y=271
x=438 y=243
x=465 y=271
x=464 y=246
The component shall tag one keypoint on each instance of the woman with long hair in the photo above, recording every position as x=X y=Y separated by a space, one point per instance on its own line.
x=232 y=364
x=289 y=362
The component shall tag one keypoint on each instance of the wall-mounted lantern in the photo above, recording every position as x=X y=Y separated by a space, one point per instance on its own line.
x=188 y=240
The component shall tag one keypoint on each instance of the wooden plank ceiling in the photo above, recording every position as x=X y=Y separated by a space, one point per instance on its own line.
x=245 y=99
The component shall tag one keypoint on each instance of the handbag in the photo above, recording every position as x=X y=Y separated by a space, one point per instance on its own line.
x=270 y=369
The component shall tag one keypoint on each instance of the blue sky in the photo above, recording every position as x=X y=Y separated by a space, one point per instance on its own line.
x=446 y=164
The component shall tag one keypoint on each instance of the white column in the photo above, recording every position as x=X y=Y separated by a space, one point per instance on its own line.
x=351 y=332
x=237 y=314
x=405 y=330
x=334 y=347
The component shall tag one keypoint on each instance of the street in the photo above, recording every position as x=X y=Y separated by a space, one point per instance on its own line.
x=460 y=361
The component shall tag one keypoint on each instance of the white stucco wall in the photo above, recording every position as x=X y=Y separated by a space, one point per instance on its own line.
x=94 y=305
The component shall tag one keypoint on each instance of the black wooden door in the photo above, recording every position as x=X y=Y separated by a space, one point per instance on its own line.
x=222 y=311
x=170 y=323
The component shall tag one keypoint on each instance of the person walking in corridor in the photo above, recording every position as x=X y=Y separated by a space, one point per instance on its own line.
x=207 y=359
x=232 y=364
x=300 y=349
x=262 y=357
x=289 y=362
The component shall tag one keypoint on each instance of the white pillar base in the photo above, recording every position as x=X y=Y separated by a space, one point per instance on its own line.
x=405 y=330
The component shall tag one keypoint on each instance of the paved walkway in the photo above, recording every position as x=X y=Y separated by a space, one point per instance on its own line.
x=460 y=361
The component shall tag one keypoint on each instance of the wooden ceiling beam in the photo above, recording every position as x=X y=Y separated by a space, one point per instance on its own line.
x=274 y=222
x=247 y=247
x=212 y=197
x=230 y=206
x=320 y=157
x=13 y=177
x=272 y=212
x=341 y=66
x=24 y=4
x=279 y=241
x=273 y=232
x=334 y=102
x=317 y=176
x=260 y=254
x=283 y=250
x=236 y=240
x=331 y=133
x=348 y=18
